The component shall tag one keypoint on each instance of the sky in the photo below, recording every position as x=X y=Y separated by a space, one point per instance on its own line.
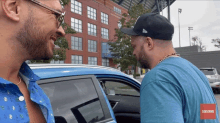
x=202 y=15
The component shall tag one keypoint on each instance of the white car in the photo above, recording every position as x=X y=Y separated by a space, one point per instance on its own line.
x=213 y=76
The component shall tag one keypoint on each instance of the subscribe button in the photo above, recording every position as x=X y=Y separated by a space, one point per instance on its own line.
x=207 y=111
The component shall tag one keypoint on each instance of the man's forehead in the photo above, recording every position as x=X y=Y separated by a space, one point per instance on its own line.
x=55 y=4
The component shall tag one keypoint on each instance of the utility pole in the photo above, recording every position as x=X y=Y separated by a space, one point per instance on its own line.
x=179 y=11
x=190 y=28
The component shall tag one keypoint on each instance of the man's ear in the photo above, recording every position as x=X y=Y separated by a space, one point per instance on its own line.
x=11 y=8
x=148 y=43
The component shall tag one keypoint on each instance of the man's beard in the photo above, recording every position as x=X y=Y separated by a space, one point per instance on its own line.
x=32 y=40
x=143 y=59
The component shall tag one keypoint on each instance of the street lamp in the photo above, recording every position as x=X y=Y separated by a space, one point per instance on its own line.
x=179 y=11
x=190 y=28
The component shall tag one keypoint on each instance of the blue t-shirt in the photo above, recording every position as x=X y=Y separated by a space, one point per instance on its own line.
x=173 y=91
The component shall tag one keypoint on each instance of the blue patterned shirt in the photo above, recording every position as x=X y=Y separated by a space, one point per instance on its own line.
x=12 y=104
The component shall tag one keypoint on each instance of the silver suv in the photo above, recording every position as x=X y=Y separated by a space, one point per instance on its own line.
x=213 y=76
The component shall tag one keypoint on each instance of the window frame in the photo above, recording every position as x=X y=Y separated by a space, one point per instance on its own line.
x=93 y=57
x=117 y=10
x=91 y=11
x=105 y=62
x=102 y=34
x=78 y=59
x=80 y=12
x=89 y=28
x=55 y=62
x=97 y=87
x=103 y=19
x=73 y=43
x=79 y=30
x=89 y=46
x=121 y=81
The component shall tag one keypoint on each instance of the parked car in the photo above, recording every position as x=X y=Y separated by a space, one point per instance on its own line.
x=213 y=76
x=89 y=94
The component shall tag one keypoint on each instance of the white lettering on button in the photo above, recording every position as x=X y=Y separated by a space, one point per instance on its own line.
x=21 y=98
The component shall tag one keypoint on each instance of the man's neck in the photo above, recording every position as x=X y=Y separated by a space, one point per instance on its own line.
x=10 y=62
x=163 y=54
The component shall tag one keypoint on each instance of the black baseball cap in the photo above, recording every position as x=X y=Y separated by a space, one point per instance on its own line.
x=151 y=25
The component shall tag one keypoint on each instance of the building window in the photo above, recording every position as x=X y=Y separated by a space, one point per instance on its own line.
x=92 y=60
x=76 y=7
x=76 y=24
x=117 y=10
x=105 y=48
x=92 y=29
x=91 y=13
x=76 y=43
x=105 y=62
x=104 y=18
x=76 y=59
x=92 y=46
x=57 y=62
x=104 y=33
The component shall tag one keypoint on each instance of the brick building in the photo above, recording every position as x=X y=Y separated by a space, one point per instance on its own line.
x=95 y=22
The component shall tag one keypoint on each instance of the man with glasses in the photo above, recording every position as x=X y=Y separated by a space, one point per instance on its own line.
x=28 y=30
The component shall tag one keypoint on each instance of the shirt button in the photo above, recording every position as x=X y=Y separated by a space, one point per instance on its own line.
x=10 y=116
x=5 y=99
x=21 y=98
x=13 y=107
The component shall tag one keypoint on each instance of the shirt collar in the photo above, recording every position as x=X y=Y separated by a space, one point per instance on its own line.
x=26 y=71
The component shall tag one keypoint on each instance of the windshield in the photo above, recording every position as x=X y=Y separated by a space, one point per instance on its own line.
x=208 y=71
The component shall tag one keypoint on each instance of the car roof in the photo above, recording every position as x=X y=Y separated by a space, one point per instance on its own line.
x=207 y=68
x=45 y=71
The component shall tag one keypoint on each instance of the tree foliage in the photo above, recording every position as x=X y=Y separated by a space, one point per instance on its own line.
x=121 y=48
x=216 y=42
x=198 y=41
x=60 y=53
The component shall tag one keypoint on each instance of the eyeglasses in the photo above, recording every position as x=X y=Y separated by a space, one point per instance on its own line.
x=59 y=15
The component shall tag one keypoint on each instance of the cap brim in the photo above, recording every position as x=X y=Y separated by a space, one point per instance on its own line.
x=128 y=31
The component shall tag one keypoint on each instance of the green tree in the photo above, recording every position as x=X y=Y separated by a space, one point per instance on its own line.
x=121 y=48
x=198 y=41
x=60 y=53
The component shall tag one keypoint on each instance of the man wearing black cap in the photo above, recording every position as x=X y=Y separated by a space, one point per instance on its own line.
x=174 y=89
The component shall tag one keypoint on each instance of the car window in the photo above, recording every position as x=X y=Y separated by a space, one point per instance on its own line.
x=208 y=71
x=76 y=101
x=118 y=88
x=218 y=71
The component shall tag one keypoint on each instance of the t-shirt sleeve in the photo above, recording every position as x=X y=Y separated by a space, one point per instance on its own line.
x=161 y=102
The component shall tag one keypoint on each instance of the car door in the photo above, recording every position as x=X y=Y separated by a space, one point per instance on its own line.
x=124 y=97
x=78 y=99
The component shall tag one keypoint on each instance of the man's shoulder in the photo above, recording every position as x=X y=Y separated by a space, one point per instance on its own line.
x=168 y=70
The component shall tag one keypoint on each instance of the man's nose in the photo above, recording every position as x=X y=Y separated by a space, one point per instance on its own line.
x=61 y=32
